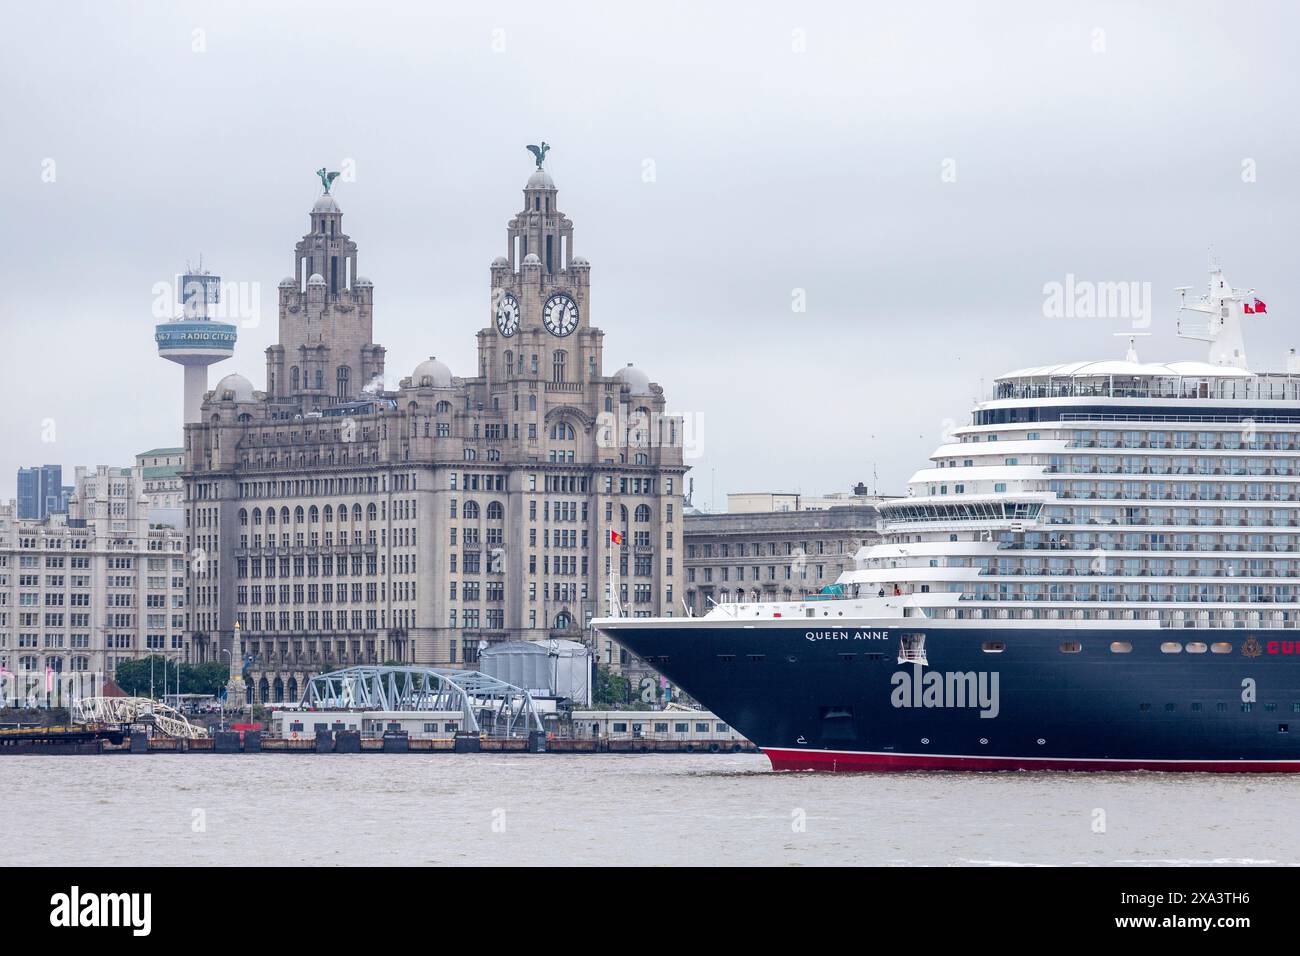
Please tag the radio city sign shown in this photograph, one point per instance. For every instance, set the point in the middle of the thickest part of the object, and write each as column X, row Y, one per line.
column 197, row 334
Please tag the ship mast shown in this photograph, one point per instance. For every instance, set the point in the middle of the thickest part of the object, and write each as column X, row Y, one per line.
column 1216, row 318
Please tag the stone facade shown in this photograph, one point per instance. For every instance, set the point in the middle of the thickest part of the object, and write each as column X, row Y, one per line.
column 340, row 526
column 772, row 555
column 81, row 592
column 160, row 473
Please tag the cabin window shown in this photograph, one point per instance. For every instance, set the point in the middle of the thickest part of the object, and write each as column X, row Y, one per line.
column 1071, row 647
column 1196, row 647
column 1221, row 647
column 1171, row 647
column 1121, row 647
column 993, row 647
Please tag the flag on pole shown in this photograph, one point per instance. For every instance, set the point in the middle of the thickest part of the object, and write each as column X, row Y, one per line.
column 615, row 537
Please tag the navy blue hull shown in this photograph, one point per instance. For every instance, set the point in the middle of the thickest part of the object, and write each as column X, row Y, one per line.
column 838, row 698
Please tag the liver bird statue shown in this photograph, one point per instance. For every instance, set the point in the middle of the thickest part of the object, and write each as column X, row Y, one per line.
column 540, row 152
column 326, row 179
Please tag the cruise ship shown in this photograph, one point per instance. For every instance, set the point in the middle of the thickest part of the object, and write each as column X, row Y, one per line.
column 1098, row 572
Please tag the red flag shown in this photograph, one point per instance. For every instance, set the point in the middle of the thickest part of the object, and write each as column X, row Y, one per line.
column 1249, row 310
column 615, row 537
column 1260, row 307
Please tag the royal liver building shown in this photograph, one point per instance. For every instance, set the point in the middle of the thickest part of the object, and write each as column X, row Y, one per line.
column 333, row 521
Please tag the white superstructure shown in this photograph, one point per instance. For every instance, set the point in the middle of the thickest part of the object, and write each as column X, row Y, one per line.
column 1111, row 491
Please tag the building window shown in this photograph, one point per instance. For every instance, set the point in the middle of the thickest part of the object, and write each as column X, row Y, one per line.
column 344, row 375
column 558, row 361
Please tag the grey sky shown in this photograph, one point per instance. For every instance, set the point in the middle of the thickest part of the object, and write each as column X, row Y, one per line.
column 1113, row 156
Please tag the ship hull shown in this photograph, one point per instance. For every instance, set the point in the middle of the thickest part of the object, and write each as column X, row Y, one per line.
column 836, row 698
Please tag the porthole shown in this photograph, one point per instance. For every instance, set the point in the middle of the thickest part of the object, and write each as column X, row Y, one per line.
column 993, row 647
column 1121, row 647
column 984, row 740
column 1071, row 647
column 1171, row 647
column 1197, row 647
column 925, row 740
column 1221, row 647
column 1041, row 741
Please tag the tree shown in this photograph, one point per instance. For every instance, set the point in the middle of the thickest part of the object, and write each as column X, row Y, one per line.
column 612, row 690
column 134, row 676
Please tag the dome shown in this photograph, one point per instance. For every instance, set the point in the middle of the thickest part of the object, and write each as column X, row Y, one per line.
column 500, row 262
column 326, row 203
column 431, row 374
column 362, row 280
column 532, row 260
column 637, row 381
column 316, row 279
column 581, row 262
column 234, row 388
column 287, row 282
column 540, row 179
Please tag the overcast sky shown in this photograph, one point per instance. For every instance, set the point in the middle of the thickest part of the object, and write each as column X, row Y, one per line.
column 919, row 170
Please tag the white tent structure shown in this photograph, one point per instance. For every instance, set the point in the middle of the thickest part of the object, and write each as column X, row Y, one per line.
column 553, row 668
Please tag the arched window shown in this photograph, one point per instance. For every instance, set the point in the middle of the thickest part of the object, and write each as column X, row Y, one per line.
column 343, row 513
column 563, row 621
column 298, row 515
column 471, row 509
column 558, row 361
column 494, row 511
column 243, row 517
column 642, row 512
column 328, row 514
column 443, row 408
column 284, row 516
column 356, row 514
column 257, row 517
column 270, row 516
column 313, row 515
column 372, row 512
column 344, row 381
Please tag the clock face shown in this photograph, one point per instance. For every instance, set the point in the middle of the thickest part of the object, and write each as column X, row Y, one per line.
column 508, row 315
column 560, row 315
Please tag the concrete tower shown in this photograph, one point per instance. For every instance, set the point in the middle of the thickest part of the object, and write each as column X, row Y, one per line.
column 194, row 339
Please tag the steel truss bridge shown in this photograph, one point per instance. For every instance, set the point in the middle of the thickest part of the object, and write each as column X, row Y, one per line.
column 123, row 711
column 490, row 706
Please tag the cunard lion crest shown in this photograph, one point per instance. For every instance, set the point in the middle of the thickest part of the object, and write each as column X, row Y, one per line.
column 1250, row 648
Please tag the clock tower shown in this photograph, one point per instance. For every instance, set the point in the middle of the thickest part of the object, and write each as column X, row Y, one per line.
column 539, row 313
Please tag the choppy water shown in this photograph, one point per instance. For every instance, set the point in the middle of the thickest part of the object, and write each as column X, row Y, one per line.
column 665, row 809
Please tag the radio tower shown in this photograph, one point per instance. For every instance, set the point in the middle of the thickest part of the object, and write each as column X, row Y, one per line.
column 193, row 339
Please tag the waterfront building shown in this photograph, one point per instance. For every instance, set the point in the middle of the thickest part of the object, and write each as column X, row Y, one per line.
column 160, row 474
column 82, row 591
column 340, row 521
column 779, row 552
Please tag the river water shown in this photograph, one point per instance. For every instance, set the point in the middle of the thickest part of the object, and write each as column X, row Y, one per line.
column 656, row 809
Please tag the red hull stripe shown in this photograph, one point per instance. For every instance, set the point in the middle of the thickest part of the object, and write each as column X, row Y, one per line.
column 847, row 761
